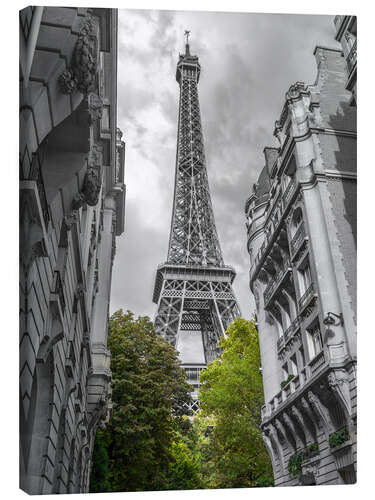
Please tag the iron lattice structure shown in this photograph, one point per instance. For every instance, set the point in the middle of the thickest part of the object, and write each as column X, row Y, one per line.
column 193, row 289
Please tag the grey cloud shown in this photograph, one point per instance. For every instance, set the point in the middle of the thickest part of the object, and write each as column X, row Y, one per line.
column 248, row 63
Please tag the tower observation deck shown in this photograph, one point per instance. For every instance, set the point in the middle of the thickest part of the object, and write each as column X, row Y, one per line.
column 193, row 288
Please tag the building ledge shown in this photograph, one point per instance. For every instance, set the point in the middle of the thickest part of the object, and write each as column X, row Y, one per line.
column 294, row 390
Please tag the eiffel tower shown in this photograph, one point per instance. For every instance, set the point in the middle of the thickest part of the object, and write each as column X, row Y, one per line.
column 193, row 289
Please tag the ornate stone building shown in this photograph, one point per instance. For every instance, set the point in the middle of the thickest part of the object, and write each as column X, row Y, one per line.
column 71, row 210
column 346, row 34
column 301, row 228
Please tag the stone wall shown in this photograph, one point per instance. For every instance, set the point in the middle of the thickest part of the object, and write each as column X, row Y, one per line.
column 71, row 209
column 303, row 266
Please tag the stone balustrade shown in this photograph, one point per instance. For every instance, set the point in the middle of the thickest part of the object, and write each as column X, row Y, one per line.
column 317, row 362
column 276, row 280
column 306, row 297
column 297, row 240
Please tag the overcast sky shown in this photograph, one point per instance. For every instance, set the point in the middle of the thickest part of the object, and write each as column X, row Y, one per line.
column 248, row 62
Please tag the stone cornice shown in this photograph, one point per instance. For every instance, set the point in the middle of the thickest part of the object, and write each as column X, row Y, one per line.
column 295, row 396
column 341, row 174
column 331, row 131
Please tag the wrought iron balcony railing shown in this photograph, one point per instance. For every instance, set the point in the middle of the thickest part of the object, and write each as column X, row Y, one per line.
column 297, row 239
column 274, row 282
column 306, row 297
column 351, row 60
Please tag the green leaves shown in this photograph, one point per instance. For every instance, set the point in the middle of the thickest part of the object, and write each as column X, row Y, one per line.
column 150, row 444
column 285, row 382
column 149, row 391
column 99, row 475
column 338, row 438
column 232, row 394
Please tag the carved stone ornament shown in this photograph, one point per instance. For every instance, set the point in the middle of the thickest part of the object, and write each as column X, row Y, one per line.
column 338, row 381
column 92, row 181
column 278, row 133
column 81, row 75
column 256, row 297
column 310, row 472
column 295, row 90
column 320, row 410
column 95, row 107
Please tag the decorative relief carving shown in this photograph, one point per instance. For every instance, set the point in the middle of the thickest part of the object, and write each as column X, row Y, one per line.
column 69, row 220
column 285, row 434
column 290, row 424
column 79, row 291
column 310, row 471
column 294, row 91
column 92, row 181
column 81, row 75
column 338, row 381
column 278, row 133
column 95, row 107
column 308, row 310
column 307, row 409
column 320, row 410
column 256, row 297
column 299, row 418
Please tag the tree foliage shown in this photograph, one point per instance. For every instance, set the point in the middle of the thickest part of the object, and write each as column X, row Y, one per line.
column 232, row 394
column 149, row 390
column 99, row 475
column 150, row 444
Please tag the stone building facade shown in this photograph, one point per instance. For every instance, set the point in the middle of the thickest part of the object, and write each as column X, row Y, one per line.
column 346, row 34
column 301, row 231
column 72, row 198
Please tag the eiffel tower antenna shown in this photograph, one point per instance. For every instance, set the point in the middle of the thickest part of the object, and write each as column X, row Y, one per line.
column 193, row 289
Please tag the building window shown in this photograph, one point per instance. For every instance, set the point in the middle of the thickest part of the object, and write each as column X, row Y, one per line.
column 302, row 356
column 296, row 221
column 285, row 373
column 304, row 278
column 105, row 118
column 293, row 364
column 284, row 181
column 314, row 341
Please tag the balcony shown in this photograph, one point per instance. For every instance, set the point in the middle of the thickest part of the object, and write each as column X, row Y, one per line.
column 339, row 437
column 292, row 328
column 317, row 362
column 278, row 207
column 297, row 240
column 276, row 281
column 58, row 290
column 288, row 334
column 351, row 60
column 340, row 444
column 288, row 192
column 306, row 297
column 280, row 343
column 35, row 174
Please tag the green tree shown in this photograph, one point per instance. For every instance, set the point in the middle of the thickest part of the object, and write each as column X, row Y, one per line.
column 149, row 391
column 99, row 475
column 184, row 471
column 232, row 394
